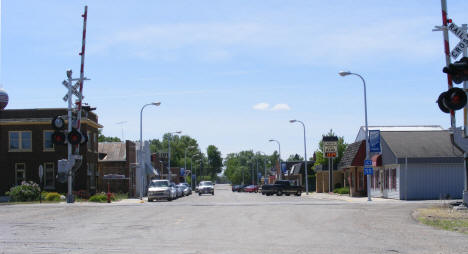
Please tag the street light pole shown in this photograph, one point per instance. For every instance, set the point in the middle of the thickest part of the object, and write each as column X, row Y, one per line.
column 279, row 156
column 140, row 155
column 346, row 73
column 191, row 171
column 264, row 167
column 305, row 156
column 185, row 158
column 169, row 155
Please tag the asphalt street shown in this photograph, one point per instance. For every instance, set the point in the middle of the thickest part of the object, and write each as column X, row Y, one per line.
column 224, row 223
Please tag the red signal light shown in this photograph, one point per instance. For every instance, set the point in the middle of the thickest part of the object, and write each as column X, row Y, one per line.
column 58, row 138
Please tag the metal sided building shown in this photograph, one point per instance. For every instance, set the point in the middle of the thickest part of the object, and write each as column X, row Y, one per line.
column 416, row 165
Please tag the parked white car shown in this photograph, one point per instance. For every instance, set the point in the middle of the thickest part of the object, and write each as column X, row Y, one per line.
column 160, row 189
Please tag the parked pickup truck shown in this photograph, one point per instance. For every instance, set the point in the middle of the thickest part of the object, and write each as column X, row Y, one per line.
column 281, row 187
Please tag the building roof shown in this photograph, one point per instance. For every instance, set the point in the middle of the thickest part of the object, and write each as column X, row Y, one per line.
column 350, row 154
column 361, row 133
column 420, row 144
column 115, row 151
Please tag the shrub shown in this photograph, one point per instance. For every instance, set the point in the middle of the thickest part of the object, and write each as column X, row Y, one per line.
column 52, row 196
column 100, row 197
column 344, row 190
column 27, row 191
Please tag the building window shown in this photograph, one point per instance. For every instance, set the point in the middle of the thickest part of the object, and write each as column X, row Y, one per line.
column 95, row 143
column 92, row 175
column 48, row 144
column 49, row 176
column 89, row 141
column 20, row 173
column 19, row 141
column 393, row 175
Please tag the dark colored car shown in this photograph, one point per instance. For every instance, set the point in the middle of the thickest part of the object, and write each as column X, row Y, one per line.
column 236, row 188
column 251, row 188
column 281, row 187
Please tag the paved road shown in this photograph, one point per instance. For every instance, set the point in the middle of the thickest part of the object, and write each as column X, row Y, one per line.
column 225, row 223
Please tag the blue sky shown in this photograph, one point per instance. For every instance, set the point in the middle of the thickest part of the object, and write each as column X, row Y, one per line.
column 233, row 73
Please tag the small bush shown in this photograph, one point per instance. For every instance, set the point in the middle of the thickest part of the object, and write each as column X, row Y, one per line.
column 100, row 197
column 344, row 190
column 52, row 196
column 27, row 191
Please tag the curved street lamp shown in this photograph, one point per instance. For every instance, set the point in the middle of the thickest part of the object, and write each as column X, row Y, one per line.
column 140, row 157
column 305, row 155
column 346, row 73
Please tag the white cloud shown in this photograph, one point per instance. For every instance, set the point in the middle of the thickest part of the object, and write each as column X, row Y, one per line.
column 280, row 106
column 261, row 106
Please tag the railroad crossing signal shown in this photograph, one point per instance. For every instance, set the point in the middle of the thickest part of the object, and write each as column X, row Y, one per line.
column 453, row 99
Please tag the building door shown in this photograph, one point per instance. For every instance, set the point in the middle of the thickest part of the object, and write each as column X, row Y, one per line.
column 20, row 173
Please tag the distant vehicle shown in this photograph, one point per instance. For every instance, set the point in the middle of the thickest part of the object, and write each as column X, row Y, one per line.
column 160, row 189
column 235, row 187
column 205, row 187
column 251, row 188
column 281, row 187
column 241, row 187
column 186, row 190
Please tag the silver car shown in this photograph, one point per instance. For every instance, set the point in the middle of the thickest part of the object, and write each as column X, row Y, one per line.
column 177, row 190
column 160, row 189
column 206, row 187
column 185, row 188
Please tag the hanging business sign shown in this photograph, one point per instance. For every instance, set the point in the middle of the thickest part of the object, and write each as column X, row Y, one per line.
column 374, row 141
column 330, row 146
column 283, row 167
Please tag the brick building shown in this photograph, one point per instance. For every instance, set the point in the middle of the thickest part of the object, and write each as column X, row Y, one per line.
column 26, row 143
column 117, row 164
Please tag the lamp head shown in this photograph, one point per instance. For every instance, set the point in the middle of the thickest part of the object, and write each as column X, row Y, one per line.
column 271, row 140
column 156, row 103
column 292, row 121
column 178, row 132
column 344, row 73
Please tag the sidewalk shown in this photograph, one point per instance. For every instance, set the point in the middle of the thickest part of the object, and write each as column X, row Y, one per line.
column 334, row 196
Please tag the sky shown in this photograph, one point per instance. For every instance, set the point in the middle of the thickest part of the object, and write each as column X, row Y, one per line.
column 233, row 73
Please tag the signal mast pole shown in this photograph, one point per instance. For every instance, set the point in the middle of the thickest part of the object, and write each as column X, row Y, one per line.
column 71, row 88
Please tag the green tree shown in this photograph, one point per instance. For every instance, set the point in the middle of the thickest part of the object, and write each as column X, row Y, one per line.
column 239, row 166
column 178, row 146
column 295, row 157
column 102, row 138
column 215, row 161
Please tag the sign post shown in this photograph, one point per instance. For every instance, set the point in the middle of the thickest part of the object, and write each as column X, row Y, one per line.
column 330, row 151
column 41, row 175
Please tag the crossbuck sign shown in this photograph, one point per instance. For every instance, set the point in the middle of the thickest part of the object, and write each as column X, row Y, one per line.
column 458, row 31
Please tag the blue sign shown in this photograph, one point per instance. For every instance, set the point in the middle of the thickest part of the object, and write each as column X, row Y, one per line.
column 368, row 171
column 194, row 177
column 374, row 141
column 259, row 175
column 283, row 167
column 182, row 171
